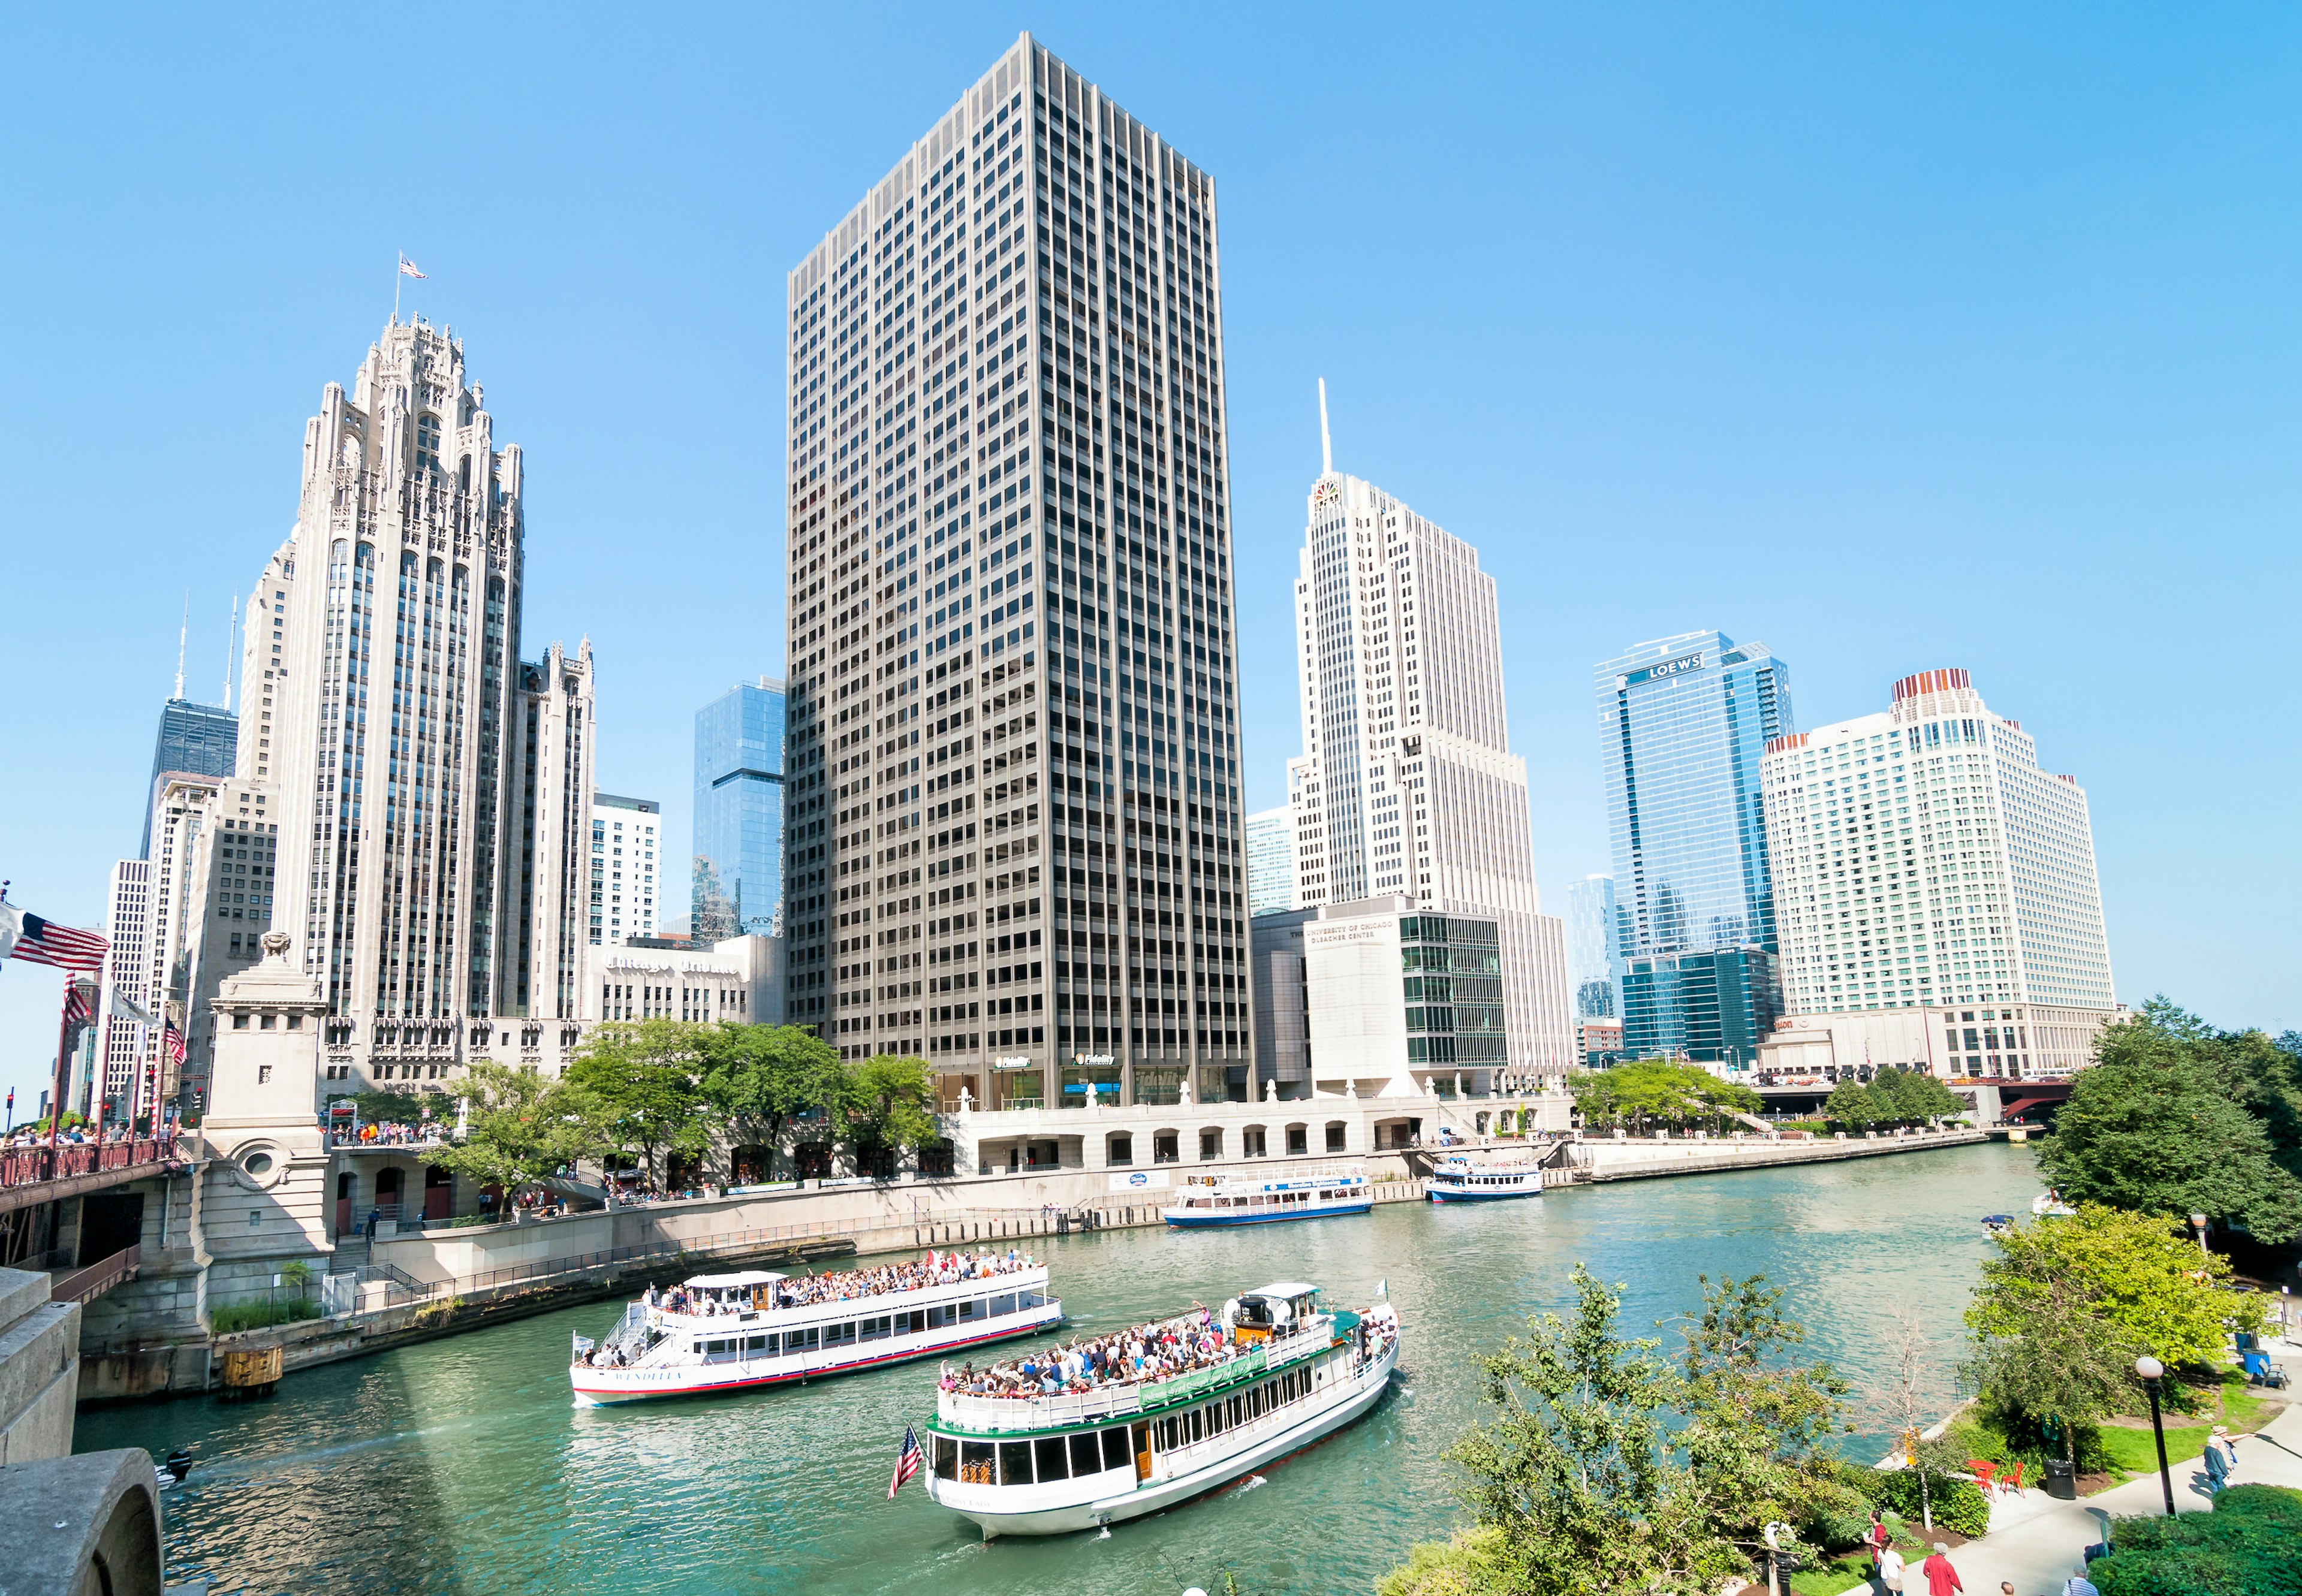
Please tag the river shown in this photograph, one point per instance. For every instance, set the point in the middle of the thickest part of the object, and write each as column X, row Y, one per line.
column 461, row 1466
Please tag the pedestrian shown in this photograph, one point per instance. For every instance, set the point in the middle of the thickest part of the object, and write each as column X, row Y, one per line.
column 373, row 1217
column 1942, row 1577
column 1878, row 1538
column 2078, row 1584
column 1890, row 1570
column 2219, row 1456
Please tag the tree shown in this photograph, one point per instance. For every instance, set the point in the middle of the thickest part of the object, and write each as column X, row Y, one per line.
column 1852, row 1104
column 2050, row 1366
column 1656, row 1091
column 1912, row 1097
column 2175, row 1117
column 2134, row 1272
column 380, row 1107
column 887, row 1104
column 761, row 1076
column 639, row 1088
column 1572, row 1487
column 1755, row 1429
column 1910, row 1401
column 518, row 1128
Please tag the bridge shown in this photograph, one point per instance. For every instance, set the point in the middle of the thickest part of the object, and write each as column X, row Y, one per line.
column 29, row 1176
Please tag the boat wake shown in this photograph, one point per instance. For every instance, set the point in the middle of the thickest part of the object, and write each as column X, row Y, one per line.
column 1251, row 1482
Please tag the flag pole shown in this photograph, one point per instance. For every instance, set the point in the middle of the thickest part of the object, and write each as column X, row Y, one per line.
column 396, row 275
column 63, row 1053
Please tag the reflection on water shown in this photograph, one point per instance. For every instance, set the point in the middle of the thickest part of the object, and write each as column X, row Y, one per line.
column 462, row 1465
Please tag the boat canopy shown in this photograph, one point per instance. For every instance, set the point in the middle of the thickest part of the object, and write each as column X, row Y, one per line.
column 1284, row 1288
column 725, row 1282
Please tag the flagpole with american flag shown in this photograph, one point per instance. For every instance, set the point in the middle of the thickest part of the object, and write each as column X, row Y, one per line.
column 38, row 941
column 907, row 1462
column 407, row 269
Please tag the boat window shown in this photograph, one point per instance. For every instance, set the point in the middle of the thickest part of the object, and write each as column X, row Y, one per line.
column 975, row 1462
column 1198, row 1424
column 1116, row 1453
column 879, row 1328
column 975, row 1307
column 946, row 1456
column 939, row 1315
column 917, row 1320
column 1048, row 1453
column 839, row 1335
column 1231, row 1405
column 1169, row 1435
column 758, row 1344
column 799, row 1340
column 1014, row 1463
column 1032, row 1299
column 1086, row 1453
column 1003, row 1306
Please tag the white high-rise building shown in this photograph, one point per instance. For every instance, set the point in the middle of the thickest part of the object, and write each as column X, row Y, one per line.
column 122, row 1042
column 435, row 789
column 1406, row 784
column 625, row 832
column 1271, row 861
column 1924, row 860
column 1014, row 834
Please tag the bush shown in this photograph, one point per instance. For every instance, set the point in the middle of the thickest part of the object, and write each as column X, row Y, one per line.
column 259, row 1315
column 1837, row 1516
column 2248, row 1546
column 1958, row 1504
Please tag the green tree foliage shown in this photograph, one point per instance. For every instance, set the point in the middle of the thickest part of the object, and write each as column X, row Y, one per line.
column 639, row 1086
column 758, row 1078
column 2176, row 1118
column 888, row 1102
column 2249, row 1545
column 406, row 1108
column 1894, row 1097
column 518, row 1128
column 1645, row 1094
column 1855, row 1105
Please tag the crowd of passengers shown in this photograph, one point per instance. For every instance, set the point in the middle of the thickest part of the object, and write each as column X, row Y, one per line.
column 844, row 1285
column 1196, row 1340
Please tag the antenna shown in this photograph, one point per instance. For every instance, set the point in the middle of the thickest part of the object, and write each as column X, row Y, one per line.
column 183, row 630
column 231, row 629
column 1326, row 448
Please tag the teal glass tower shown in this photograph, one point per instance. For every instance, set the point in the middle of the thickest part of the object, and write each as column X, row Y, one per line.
column 738, row 867
column 1684, row 722
column 194, row 740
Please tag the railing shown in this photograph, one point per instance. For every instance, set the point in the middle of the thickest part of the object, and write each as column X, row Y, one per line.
column 85, row 1285
column 30, row 1166
column 994, row 1415
column 431, row 1136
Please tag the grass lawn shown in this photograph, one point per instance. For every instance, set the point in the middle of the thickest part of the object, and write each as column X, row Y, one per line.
column 1846, row 1569
column 2136, row 1451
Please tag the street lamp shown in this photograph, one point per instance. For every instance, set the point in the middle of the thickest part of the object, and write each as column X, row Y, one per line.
column 2198, row 1223
column 2151, row 1371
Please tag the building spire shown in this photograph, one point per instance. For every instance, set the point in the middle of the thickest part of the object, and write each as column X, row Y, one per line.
column 183, row 630
column 231, row 630
column 1326, row 448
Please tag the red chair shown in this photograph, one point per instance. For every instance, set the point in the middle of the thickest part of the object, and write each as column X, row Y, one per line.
column 2012, row 1483
column 1985, row 1473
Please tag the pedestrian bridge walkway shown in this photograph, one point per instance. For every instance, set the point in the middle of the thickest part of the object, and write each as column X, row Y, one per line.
column 29, row 1176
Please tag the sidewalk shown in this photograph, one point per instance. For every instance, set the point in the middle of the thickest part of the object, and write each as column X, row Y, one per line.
column 2038, row 1542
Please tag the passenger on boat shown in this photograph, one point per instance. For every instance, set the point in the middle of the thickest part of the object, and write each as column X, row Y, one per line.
column 1160, row 1350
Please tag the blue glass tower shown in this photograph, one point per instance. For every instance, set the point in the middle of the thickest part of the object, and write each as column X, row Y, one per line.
column 1590, row 940
column 739, row 814
column 194, row 740
column 1684, row 722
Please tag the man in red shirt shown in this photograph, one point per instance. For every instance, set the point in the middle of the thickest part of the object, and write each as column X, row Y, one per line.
column 1942, row 1579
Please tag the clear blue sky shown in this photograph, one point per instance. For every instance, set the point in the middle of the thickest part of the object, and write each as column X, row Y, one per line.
column 1893, row 337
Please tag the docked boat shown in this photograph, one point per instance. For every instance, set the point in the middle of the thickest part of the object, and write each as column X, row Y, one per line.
column 1456, row 1179
column 724, row 1332
column 1133, row 1423
column 2049, row 1205
column 1262, row 1199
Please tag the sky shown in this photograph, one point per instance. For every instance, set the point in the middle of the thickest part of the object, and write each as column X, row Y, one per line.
column 1893, row 337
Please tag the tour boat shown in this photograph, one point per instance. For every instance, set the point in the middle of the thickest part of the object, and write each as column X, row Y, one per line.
column 1275, row 1373
column 2049, row 1205
column 1457, row 1180
column 725, row 1332
column 1249, row 1200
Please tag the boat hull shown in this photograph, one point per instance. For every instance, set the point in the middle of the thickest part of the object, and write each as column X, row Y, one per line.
column 614, row 1388
column 1464, row 1194
column 1217, row 1219
column 1157, row 1496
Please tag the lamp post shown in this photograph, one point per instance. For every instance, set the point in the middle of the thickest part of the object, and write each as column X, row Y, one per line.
column 2198, row 1223
column 2151, row 1371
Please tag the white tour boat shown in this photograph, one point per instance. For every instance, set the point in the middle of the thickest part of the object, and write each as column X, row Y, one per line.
column 723, row 1333
column 1260, row 1199
column 1276, row 1373
column 1456, row 1179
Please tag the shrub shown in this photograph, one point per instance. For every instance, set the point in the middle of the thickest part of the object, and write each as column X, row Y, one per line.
column 2248, row 1546
column 1836, row 1515
column 1958, row 1504
column 234, row 1316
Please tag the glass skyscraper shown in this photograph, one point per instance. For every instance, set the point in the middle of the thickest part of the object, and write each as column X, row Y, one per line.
column 1271, row 862
column 1591, row 944
column 738, row 886
column 194, row 740
column 1684, row 722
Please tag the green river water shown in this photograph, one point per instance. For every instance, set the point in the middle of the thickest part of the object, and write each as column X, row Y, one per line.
column 461, row 1465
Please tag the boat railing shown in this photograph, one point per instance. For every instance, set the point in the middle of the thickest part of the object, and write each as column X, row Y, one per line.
column 966, row 1410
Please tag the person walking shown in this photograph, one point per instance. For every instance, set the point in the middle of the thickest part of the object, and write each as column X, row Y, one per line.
column 373, row 1217
column 1891, row 1570
column 1942, row 1575
column 1878, row 1538
column 2078, row 1584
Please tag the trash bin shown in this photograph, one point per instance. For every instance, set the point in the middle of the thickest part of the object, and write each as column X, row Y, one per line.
column 2061, row 1480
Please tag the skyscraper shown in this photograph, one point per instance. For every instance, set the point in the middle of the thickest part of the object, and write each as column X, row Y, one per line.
column 1016, row 840
column 737, row 874
column 625, row 832
column 1684, row 722
column 1591, row 943
column 1406, row 784
column 1271, row 861
column 194, row 740
column 1922, row 857
column 435, row 788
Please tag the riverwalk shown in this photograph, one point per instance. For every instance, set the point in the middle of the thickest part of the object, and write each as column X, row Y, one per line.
column 2037, row 1542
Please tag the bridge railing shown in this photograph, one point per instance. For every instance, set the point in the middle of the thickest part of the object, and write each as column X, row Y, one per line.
column 30, row 1166
column 85, row 1285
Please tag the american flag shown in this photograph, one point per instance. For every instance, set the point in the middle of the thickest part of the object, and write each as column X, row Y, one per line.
column 907, row 1462
column 173, row 1040
column 38, row 941
column 79, row 1003
column 407, row 268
